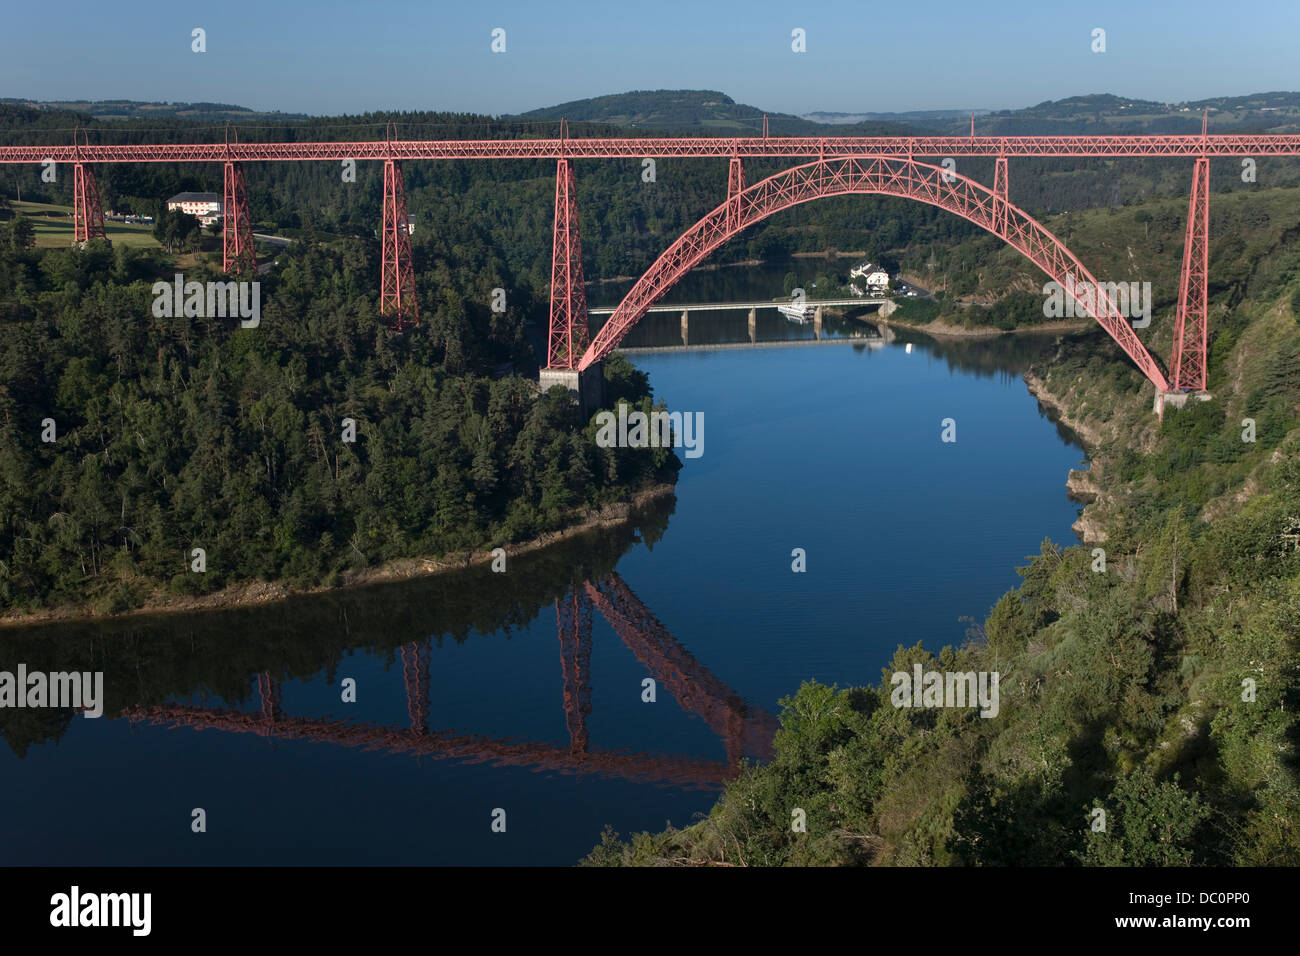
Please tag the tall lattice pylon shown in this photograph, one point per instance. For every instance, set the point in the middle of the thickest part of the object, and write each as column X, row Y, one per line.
column 1189, row 366
column 237, row 256
column 735, row 186
column 569, row 335
column 88, row 214
column 397, row 277
column 1000, row 194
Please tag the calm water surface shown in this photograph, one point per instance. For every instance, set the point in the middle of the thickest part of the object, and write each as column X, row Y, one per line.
column 472, row 696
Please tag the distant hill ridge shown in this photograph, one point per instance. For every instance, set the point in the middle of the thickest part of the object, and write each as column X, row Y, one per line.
column 1277, row 112
column 714, row 112
column 707, row 112
column 135, row 109
column 711, row 112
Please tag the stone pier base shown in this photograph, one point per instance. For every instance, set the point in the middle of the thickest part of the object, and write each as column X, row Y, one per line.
column 1177, row 400
column 586, row 387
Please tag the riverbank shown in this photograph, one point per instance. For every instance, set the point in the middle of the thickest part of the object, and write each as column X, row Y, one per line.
column 1088, row 434
column 399, row 569
column 944, row 330
column 1084, row 487
column 1120, row 668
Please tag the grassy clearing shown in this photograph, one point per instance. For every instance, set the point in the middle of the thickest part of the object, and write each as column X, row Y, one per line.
column 53, row 226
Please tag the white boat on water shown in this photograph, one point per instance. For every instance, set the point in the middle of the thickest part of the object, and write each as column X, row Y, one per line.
column 797, row 313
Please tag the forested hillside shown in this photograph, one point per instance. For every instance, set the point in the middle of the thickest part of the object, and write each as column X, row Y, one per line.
column 1105, row 113
column 698, row 113
column 1159, row 684
column 1253, row 254
column 178, row 433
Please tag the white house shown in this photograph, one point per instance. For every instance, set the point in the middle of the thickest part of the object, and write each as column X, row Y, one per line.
column 206, row 206
column 874, row 276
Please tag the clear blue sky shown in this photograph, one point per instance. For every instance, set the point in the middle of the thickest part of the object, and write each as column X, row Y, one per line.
column 335, row 57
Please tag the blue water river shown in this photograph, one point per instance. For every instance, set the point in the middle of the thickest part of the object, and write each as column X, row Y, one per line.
column 519, row 698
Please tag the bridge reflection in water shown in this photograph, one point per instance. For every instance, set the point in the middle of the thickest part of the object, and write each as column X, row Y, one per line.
column 745, row 730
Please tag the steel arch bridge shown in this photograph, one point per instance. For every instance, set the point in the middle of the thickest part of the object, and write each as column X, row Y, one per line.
column 888, row 176
column 885, row 163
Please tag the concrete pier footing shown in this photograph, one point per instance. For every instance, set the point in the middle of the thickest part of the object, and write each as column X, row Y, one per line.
column 586, row 387
column 1177, row 400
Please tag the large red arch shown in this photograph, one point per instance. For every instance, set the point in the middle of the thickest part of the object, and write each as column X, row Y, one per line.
column 883, row 175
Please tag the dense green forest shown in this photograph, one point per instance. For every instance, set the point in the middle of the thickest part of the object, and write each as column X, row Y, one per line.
column 1162, row 689
column 178, row 433
column 983, row 283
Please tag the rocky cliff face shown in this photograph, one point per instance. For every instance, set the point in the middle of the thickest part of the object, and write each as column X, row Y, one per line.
column 1081, row 485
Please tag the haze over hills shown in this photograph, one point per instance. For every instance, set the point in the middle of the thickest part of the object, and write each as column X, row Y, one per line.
column 1277, row 112
column 715, row 112
column 134, row 109
column 702, row 111
column 712, row 112
column 913, row 116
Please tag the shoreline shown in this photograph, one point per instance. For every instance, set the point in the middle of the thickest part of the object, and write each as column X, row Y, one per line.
column 1088, row 435
column 1082, row 487
column 942, row 330
column 254, row 593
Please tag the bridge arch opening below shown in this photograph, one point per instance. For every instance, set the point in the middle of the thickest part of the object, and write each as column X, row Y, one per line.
column 887, row 176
